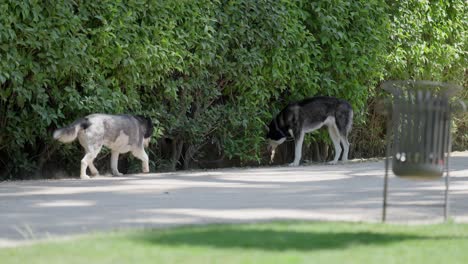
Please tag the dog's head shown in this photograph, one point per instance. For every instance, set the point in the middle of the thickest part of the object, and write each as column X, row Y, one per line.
column 148, row 127
column 275, row 136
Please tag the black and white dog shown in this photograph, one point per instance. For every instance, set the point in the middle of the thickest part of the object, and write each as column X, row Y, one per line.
column 120, row 133
column 308, row 115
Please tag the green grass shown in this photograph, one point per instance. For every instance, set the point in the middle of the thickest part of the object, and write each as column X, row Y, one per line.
column 277, row 242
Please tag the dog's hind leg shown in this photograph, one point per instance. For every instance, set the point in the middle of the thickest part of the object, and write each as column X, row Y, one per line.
column 298, row 149
column 345, row 142
column 344, row 124
column 114, row 163
column 93, row 169
column 335, row 137
column 84, row 166
column 141, row 154
column 88, row 161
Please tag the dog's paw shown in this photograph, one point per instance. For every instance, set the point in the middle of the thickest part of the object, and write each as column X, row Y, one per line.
column 117, row 174
column 332, row 162
column 293, row 164
column 84, row 177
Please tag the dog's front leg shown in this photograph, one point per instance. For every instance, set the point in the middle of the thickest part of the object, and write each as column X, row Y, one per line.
column 141, row 154
column 298, row 149
column 115, row 163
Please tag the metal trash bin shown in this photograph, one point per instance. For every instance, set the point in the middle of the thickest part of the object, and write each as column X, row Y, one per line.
column 418, row 132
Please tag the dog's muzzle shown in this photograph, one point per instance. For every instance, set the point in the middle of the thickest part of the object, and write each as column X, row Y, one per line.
column 271, row 147
column 273, row 144
column 146, row 142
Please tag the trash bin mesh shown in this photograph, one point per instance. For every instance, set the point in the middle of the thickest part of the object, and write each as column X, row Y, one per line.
column 420, row 128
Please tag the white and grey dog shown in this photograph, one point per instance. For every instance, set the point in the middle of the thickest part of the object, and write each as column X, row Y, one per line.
column 299, row 118
column 120, row 133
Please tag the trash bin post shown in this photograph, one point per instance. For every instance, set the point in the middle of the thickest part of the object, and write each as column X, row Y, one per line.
column 418, row 133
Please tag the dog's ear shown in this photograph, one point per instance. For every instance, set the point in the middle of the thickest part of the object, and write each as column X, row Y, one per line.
column 144, row 119
column 148, row 120
column 280, row 121
column 148, row 123
column 149, row 127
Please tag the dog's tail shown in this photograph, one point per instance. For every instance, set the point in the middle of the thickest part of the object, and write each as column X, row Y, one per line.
column 69, row 133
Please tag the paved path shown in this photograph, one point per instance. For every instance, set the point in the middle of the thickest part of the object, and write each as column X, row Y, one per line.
column 351, row 192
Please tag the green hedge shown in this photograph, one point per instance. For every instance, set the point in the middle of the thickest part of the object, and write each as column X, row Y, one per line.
column 209, row 73
column 428, row 41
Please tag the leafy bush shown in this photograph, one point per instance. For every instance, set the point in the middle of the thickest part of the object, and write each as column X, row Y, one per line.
column 209, row 73
column 428, row 40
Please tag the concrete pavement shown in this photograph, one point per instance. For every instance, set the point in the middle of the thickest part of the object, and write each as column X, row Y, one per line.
column 31, row 210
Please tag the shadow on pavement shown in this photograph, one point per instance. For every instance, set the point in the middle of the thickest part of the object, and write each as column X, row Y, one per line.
column 232, row 236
